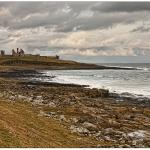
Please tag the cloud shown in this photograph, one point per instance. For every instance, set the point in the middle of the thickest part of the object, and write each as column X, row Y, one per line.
column 76, row 28
column 122, row 7
column 97, row 52
column 141, row 29
column 69, row 16
column 117, row 41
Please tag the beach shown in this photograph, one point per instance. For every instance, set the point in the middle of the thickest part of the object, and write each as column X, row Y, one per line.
column 92, row 113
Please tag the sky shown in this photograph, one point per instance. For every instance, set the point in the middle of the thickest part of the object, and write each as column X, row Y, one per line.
column 98, row 32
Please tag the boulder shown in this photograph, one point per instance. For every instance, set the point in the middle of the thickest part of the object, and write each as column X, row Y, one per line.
column 78, row 129
column 74, row 120
column 90, row 126
column 51, row 104
column 12, row 98
column 62, row 118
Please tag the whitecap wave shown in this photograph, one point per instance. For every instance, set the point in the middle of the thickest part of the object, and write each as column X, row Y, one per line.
column 135, row 82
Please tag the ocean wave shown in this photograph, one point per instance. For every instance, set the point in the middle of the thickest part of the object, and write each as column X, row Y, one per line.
column 135, row 82
column 129, row 67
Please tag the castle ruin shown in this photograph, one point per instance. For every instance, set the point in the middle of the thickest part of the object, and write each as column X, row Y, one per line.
column 2, row 52
column 18, row 53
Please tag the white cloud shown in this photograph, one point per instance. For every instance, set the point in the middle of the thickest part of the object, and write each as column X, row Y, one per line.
column 4, row 12
column 94, row 52
column 116, row 41
column 86, row 14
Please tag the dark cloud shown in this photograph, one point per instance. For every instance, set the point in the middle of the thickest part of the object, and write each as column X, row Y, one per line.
column 122, row 6
column 141, row 51
column 69, row 16
column 141, row 29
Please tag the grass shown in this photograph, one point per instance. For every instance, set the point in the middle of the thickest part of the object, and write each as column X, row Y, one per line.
column 20, row 126
column 32, row 60
column 40, row 62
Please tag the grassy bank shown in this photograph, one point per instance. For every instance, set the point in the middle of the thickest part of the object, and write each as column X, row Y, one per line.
column 46, row 62
column 21, row 126
column 42, row 62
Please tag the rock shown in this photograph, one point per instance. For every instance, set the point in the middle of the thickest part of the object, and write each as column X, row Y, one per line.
column 41, row 113
column 113, row 123
column 75, row 120
column 99, row 146
column 124, row 146
column 134, row 142
column 79, row 130
column 107, row 138
column 21, row 97
column 51, row 104
column 12, row 98
column 108, row 130
column 50, row 114
column 90, row 126
column 24, row 98
column 62, row 118
column 1, row 95
column 85, row 111
column 29, row 99
column 139, row 134
column 129, row 117
column 45, row 102
column 98, row 134
column 39, row 98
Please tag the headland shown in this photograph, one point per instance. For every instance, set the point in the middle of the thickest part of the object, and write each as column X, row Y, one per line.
column 19, row 59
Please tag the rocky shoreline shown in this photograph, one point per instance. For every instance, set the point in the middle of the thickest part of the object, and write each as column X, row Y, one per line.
column 87, row 112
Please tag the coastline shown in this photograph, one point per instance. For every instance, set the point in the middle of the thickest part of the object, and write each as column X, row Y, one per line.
column 25, row 78
column 83, row 111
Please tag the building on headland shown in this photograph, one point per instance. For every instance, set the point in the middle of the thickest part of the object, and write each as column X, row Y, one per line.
column 20, row 53
column 2, row 53
column 57, row 57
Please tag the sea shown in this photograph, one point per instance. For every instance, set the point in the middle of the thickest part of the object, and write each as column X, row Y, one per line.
column 134, row 82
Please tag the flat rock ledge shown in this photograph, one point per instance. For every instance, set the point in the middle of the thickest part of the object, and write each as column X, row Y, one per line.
column 87, row 112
